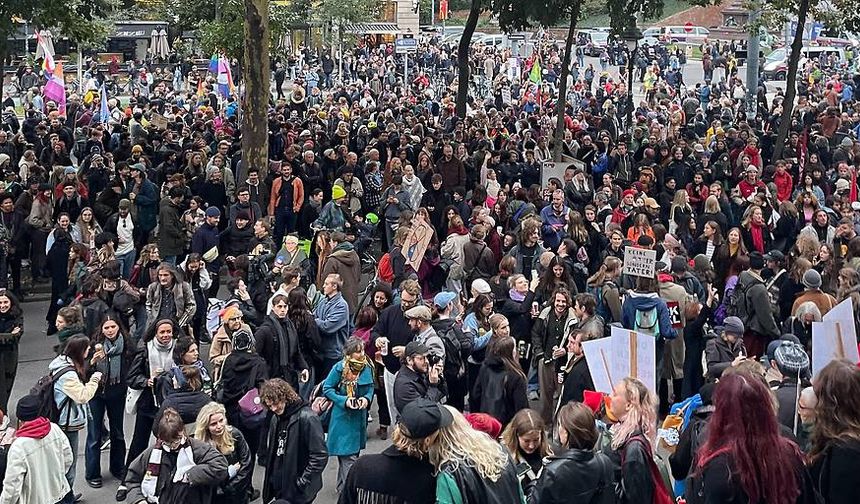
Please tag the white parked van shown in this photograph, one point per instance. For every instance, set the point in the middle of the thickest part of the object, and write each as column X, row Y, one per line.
column 776, row 64
column 678, row 34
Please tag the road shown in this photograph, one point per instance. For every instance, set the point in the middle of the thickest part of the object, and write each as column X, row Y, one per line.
column 36, row 352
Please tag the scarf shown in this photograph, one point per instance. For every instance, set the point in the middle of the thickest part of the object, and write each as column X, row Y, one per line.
column 516, row 296
column 113, row 363
column 37, row 428
column 283, row 343
column 757, row 236
column 160, row 356
column 414, row 189
column 184, row 463
column 352, row 369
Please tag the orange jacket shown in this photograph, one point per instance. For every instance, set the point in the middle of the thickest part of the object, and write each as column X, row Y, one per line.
column 275, row 194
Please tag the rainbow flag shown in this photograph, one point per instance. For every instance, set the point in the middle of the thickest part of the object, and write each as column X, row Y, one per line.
column 55, row 88
column 213, row 64
column 225, row 78
column 48, row 64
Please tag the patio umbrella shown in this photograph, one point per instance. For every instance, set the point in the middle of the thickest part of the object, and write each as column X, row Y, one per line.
column 48, row 39
column 163, row 44
column 153, row 43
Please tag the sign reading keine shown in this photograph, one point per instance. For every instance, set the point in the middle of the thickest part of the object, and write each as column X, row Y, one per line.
column 639, row 262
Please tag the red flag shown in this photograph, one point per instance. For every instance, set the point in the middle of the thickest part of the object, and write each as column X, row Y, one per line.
column 443, row 9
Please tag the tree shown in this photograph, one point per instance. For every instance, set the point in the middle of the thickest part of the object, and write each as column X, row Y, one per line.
column 522, row 14
column 475, row 9
column 76, row 19
column 227, row 34
column 255, row 104
column 837, row 15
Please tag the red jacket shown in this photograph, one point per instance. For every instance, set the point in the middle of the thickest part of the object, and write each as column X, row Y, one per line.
column 784, row 184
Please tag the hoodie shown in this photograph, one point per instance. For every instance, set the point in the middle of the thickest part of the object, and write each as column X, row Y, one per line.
column 642, row 302
column 37, row 428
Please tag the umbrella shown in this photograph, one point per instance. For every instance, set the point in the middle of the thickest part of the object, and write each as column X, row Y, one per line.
column 153, row 43
column 48, row 39
column 163, row 45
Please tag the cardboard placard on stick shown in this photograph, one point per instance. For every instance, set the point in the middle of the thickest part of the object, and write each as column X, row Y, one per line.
column 832, row 340
column 159, row 121
column 639, row 262
column 598, row 355
column 417, row 242
column 635, row 356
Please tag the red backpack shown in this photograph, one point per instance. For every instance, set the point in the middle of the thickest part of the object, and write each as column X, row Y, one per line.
column 385, row 270
column 661, row 494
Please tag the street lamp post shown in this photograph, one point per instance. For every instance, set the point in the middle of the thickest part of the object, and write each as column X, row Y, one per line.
column 631, row 37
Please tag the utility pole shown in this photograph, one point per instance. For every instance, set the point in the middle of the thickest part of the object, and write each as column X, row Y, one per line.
column 752, row 60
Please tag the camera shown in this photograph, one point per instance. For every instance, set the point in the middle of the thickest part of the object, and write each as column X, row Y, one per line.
column 433, row 359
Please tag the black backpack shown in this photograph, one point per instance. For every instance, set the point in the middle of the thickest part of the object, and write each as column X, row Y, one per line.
column 457, row 348
column 44, row 390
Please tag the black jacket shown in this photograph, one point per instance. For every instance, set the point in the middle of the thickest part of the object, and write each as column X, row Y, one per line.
column 632, row 470
column 410, row 385
column 390, row 477
column 835, row 473
column 719, row 355
column 241, row 372
column 235, row 490
column 269, row 347
column 210, row 469
column 187, row 403
column 476, row 490
column 498, row 392
column 577, row 379
column 575, row 476
column 298, row 456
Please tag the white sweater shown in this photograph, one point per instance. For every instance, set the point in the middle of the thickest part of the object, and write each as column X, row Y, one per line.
column 36, row 469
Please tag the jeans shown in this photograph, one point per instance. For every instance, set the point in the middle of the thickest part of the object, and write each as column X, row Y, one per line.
column 285, row 223
column 533, row 384
column 126, row 262
column 306, row 388
column 344, row 464
column 72, row 436
column 171, row 260
column 114, row 406
column 388, row 380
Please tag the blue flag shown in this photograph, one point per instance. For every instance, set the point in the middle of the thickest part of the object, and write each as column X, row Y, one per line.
column 104, row 112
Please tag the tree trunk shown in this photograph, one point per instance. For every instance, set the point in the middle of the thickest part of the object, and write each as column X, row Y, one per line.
column 3, row 48
column 255, row 103
column 791, row 80
column 463, row 58
column 561, row 102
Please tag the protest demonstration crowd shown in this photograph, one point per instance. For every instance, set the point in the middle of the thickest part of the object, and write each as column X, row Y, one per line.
column 670, row 314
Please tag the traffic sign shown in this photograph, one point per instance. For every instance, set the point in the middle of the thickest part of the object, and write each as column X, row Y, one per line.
column 405, row 45
column 688, row 27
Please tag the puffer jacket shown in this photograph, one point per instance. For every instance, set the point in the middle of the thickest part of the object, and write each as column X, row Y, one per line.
column 575, row 476
column 71, row 394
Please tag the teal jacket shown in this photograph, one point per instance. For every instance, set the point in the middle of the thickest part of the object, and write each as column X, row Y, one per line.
column 347, row 429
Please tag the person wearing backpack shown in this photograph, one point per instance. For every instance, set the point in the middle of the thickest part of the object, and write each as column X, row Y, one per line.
column 644, row 311
column 631, row 449
column 683, row 460
column 602, row 285
column 753, row 308
column 71, row 394
column 458, row 346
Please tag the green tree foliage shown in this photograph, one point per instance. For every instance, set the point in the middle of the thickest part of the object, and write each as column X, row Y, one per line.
column 227, row 34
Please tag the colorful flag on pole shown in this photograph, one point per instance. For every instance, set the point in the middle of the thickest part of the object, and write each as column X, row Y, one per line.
column 536, row 75
column 225, row 77
column 55, row 88
column 443, row 10
column 48, row 64
column 213, row 64
column 104, row 111
column 200, row 88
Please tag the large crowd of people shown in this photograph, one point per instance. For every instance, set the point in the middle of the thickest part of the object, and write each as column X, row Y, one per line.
column 397, row 270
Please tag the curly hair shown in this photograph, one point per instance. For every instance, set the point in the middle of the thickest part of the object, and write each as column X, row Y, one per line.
column 277, row 390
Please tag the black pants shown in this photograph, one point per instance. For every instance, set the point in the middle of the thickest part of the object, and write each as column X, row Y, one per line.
column 10, row 262
column 381, row 397
column 111, row 404
column 140, row 438
column 8, row 371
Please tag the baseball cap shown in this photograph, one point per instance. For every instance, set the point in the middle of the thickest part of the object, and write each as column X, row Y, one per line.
column 423, row 417
column 416, row 348
column 443, row 299
column 774, row 255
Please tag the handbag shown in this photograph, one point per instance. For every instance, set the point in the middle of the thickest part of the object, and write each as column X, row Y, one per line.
column 131, row 398
column 251, row 411
column 211, row 254
column 321, row 405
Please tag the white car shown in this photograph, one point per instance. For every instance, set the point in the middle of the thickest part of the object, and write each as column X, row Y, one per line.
column 676, row 34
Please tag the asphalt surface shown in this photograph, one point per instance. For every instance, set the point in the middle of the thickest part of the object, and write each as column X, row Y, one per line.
column 36, row 351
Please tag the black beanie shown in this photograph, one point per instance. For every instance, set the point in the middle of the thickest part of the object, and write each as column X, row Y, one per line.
column 28, row 408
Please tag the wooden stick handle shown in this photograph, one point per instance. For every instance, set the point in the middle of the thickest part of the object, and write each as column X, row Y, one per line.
column 634, row 358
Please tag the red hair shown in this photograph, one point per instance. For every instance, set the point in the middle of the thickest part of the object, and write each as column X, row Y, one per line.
column 744, row 428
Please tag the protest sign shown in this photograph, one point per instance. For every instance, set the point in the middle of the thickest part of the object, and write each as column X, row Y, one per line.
column 834, row 337
column 417, row 242
column 635, row 356
column 598, row 355
column 159, row 121
column 639, row 262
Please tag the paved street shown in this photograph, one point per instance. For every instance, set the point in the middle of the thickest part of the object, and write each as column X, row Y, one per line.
column 37, row 351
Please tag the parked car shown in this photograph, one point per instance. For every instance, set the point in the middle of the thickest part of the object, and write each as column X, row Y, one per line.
column 776, row 64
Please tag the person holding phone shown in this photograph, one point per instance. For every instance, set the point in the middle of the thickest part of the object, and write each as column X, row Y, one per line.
column 725, row 350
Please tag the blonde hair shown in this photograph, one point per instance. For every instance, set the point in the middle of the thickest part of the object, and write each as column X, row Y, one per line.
column 459, row 443
column 642, row 415
column 225, row 444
